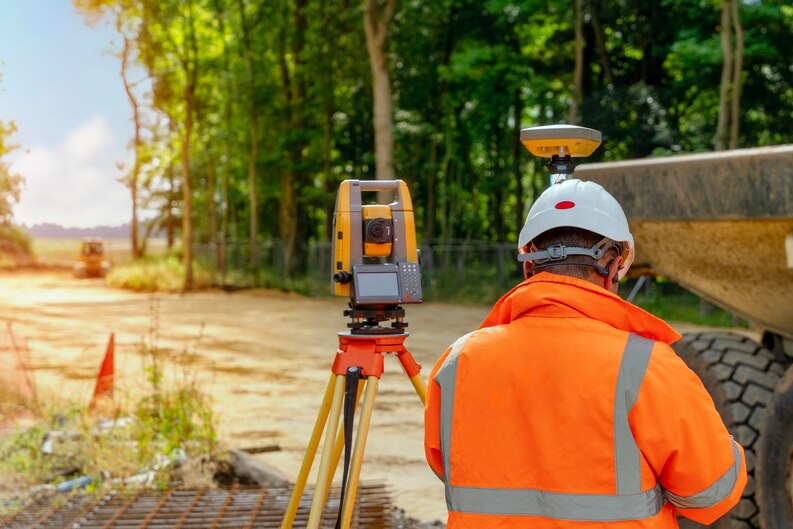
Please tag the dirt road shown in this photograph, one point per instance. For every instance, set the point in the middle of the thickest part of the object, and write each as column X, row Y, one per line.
column 263, row 356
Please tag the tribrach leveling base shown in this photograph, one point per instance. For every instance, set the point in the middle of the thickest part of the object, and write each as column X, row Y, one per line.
column 356, row 352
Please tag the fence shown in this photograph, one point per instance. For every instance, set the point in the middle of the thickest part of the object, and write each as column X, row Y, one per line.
column 471, row 271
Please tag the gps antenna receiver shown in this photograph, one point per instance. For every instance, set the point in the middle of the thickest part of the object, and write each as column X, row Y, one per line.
column 560, row 143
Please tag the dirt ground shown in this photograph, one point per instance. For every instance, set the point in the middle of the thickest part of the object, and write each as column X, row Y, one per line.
column 263, row 356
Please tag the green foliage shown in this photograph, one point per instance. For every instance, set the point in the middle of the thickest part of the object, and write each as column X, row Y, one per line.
column 10, row 182
column 671, row 302
column 167, row 416
column 15, row 247
column 15, row 241
column 287, row 84
column 185, row 421
column 155, row 274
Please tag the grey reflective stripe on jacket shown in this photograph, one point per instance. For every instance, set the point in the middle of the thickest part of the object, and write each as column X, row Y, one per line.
column 627, row 458
column 446, row 377
column 629, row 502
column 716, row 492
column 578, row 507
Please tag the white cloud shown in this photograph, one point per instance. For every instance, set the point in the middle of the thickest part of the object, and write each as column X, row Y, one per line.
column 74, row 184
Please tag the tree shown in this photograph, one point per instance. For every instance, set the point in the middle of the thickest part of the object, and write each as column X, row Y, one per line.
column 578, row 73
column 737, row 70
column 434, row 92
column 254, row 135
column 375, row 21
column 170, row 51
column 124, row 16
column 135, row 172
column 732, row 68
column 10, row 181
column 722, row 128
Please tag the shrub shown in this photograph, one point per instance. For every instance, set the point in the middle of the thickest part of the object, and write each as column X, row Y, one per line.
column 156, row 275
column 15, row 246
column 163, row 419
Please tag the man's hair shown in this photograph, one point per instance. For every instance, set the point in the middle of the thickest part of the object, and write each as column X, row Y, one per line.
column 574, row 237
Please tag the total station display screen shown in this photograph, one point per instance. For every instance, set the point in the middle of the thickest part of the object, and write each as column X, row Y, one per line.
column 377, row 285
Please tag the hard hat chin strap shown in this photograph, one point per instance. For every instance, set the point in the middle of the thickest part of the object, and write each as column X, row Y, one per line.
column 559, row 252
column 555, row 254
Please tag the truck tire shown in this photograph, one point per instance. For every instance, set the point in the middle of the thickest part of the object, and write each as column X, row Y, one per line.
column 740, row 376
column 775, row 457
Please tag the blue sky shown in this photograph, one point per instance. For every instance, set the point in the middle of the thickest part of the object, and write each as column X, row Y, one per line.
column 61, row 86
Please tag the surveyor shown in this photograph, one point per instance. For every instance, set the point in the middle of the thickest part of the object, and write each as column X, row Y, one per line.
column 568, row 406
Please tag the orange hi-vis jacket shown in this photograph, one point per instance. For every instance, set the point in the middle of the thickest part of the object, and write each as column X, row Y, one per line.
column 568, row 409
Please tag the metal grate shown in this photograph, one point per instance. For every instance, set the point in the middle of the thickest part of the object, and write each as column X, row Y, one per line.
column 237, row 507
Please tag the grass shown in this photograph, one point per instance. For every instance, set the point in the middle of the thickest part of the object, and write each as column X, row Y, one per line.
column 62, row 252
column 672, row 302
column 173, row 421
column 15, row 247
column 156, row 274
column 660, row 297
column 162, row 420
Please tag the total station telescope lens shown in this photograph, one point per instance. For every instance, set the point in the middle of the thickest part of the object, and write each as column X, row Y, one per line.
column 378, row 231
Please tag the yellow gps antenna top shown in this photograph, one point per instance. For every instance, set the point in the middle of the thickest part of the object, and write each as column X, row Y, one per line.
column 560, row 143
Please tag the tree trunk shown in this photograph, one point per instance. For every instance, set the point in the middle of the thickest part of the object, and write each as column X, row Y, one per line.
column 224, row 186
column 187, row 192
column 293, row 215
column 300, row 102
column 329, row 107
column 144, row 241
column 735, row 112
column 170, row 225
column 432, row 184
column 327, row 148
column 254, row 137
column 287, row 220
column 600, row 41
column 190, row 67
column 726, row 76
column 578, row 73
column 376, row 27
column 437, row 136
column 213, row 209
column 517, row 150
column 133, row 177
column 224, row 219
column 429, row 213
column 445, row 184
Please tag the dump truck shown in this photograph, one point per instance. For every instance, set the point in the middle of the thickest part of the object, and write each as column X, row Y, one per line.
column 91, row 260
column 721, row 225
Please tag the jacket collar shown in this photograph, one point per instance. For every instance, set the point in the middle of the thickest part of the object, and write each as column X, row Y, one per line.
column 553, row 295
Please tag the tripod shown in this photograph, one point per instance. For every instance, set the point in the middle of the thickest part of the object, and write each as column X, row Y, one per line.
column 360, row 352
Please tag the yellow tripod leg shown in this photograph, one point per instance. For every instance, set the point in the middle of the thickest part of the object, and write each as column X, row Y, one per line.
column 317, row 503
column 308, row 459
column 338, row 448
column 357, row 451
column 420, row 387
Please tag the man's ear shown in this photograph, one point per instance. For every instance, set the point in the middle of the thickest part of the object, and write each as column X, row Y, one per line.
column 614, row 268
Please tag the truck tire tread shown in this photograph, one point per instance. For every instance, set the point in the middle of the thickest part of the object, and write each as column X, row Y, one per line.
column 740, row 376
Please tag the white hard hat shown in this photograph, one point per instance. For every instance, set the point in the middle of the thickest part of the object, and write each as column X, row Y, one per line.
column 578, row 204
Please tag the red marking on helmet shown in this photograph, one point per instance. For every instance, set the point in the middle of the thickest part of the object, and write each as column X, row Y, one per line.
column 565, row 204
